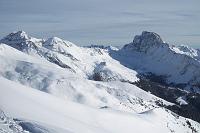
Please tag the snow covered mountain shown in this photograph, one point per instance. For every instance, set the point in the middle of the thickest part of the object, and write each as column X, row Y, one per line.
column 52, row 85
column 149, row 53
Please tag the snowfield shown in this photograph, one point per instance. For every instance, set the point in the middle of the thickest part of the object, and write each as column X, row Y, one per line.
column 52, row 85
column 63, row 83
column 57, row 115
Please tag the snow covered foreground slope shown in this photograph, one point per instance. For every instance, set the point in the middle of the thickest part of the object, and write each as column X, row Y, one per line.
column 89, row 76
column 46, row 113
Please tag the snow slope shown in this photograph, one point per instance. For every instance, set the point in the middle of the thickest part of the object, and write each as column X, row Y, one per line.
column 56, row 115
column 63, row 83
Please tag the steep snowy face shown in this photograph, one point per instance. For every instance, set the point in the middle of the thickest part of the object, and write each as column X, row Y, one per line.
column 186, row 50
column 56, row 44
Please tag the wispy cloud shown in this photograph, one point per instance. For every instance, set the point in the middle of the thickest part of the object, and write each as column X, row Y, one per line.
column 113, row 21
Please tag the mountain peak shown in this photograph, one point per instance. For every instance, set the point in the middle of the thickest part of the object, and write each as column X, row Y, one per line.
column 20, row 40
column 149, row 36
column 15, row 37
column 145, row 41
column 22, row 34
column 19, row 35
column 55, row 43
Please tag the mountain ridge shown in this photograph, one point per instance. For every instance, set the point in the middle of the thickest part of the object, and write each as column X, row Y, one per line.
column 103, row 77
column 149, row 52
column 179, row 62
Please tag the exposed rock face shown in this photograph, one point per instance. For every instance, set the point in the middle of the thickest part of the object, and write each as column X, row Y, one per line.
column 102, row 73
column 8, row 125
column 145, row 41
column 15, row 37
column 21, row 41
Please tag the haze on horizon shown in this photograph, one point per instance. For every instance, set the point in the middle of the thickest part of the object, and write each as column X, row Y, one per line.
column 103, row 22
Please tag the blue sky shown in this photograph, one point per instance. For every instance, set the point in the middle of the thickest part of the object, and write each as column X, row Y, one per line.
column 104, row 22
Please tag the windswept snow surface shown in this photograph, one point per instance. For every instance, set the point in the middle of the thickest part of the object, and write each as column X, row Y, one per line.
column 57, row 115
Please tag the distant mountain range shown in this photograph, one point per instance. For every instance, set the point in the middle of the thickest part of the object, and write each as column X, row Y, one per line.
column 52, row 85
